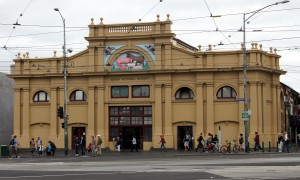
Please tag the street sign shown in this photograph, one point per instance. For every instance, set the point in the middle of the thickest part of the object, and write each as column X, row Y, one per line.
column 241, row 99
column 245, row 116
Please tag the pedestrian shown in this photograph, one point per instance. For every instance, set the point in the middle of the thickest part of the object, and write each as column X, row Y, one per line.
column 200, row 145
column 241, row 141
column 53, row 148
column 134, row 145
column 39, row 144
column 118, row 144
column 280, row 141
column 256, row 141
column 48, row 149
column 162, row 143
column 93, row 146
column 15, row 146
column 82, row 145
column 76, row 144
column 286, row 142
column 32, row 146
column 99, row 142
column 186, row 141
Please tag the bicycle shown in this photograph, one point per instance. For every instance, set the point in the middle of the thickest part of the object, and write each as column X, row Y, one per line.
column 230, row 146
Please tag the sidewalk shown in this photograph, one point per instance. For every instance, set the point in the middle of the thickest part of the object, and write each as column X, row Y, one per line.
column 25, row 153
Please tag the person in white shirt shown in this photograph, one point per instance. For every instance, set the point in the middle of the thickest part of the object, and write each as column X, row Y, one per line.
column 134, row 145
column 286, row 142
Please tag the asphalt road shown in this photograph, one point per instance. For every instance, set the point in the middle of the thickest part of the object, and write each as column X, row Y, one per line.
column 154, row 165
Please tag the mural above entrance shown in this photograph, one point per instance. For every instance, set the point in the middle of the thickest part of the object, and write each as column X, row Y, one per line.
column 149, row 48
column 130, row 61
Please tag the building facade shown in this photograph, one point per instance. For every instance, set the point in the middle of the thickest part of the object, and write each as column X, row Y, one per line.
column 6, row 108
column 139, row 80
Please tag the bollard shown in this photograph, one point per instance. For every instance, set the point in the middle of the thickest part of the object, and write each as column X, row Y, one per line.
column 269, row 146
column 263, row 146
column 277, row 146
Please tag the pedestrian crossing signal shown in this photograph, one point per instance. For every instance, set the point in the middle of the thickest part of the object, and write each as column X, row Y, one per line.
column 60, row 112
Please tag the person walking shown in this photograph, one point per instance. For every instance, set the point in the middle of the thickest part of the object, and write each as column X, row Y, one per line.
column 241, row 142
column 134, row 145
column 162, row 143
column 15, row 146
column 118, row 144
column 32, row 146
column 93, row 146
column 186, row 141
column 53, row 148
column 39, row 144
column 256, row 141
column 286, row 142
column 200, row 145
column 76, row 143
column 280, row 141
column 99, row 142
column 82, row 145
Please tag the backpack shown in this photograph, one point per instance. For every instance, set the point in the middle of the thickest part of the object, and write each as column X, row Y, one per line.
column 12, row 142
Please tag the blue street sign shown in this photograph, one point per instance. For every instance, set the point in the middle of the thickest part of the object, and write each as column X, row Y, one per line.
column 241, row 99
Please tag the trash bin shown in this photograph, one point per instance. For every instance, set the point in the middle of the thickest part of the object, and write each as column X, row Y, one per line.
column 4, row 151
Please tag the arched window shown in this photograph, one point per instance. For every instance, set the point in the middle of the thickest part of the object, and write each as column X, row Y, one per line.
column 78, row 95
column 41, row 96
column 226, row 92
column 184, row 93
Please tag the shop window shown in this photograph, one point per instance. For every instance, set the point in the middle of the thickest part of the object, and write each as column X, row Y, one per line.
column 226, row 92
column 119, row 91
column 147, row 132
column 78, row 95
column 140, row 91
column 41, row 96
column 184, row 93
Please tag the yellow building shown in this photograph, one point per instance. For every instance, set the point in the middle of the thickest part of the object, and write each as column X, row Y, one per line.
column 138, row 79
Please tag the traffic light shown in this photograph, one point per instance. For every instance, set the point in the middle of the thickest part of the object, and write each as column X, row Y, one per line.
column 60, row 112
column 63, row 125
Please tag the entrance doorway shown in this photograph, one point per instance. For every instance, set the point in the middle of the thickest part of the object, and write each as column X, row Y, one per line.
column 128, row 133
column 77, row 132
column 181, row 132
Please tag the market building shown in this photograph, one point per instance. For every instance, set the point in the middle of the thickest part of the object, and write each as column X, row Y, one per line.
column 138, row 80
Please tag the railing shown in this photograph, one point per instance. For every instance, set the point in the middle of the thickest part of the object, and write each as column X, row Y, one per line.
column 122, row 29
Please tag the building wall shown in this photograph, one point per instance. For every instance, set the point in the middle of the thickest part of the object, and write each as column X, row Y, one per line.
column 6, row 108
column 173, row 65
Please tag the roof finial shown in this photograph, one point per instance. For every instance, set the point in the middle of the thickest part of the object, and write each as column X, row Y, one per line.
column 168, row 17
column 92, row 21
column 271, row 50
column 199, row 47
column 54, row 54
column 209, row 47
column 158, row 17
column 101, row 20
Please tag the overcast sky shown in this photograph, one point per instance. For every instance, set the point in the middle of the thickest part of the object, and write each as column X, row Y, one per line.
column 40, row 31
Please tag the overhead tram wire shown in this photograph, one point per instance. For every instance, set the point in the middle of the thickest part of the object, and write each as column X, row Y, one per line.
column 150, row 10
column 217, row 28
column 17, row 23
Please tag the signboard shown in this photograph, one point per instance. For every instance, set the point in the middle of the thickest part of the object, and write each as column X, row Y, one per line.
column 245, row 116
column 241, row 99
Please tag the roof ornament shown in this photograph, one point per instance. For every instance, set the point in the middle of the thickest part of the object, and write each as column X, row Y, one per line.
column 158, row 17
column 199, row 47
column 101, row 20
column 92, row 21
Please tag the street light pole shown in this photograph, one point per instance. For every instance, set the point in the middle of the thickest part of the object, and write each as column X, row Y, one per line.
column 65, row 87
column 245, row 67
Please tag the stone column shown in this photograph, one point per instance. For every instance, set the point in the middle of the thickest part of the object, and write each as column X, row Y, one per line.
column 157, row 122
column 199, row 110
column 17, row 111
column 210, row 108
column 91, row 113
column 54, row 120
column 25, row 124
column 101, row 113
column 168, row 115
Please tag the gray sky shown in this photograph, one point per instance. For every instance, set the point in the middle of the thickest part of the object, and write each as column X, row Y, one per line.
column 41, row 32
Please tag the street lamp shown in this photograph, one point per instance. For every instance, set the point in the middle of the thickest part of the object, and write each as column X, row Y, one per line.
column 65, row 86
column 252, row 13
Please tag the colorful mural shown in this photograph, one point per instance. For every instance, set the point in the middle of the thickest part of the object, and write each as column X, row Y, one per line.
column 150, row 49
column 130, row 61
column 109, row 50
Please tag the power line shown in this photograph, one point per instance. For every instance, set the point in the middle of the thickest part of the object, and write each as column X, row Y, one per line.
column 150, row 10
